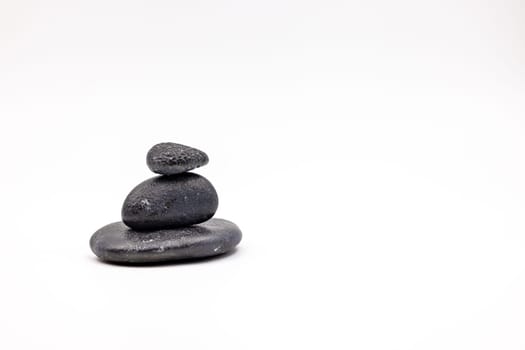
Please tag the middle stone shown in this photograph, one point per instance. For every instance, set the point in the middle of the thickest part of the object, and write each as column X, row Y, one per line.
column 170, row 201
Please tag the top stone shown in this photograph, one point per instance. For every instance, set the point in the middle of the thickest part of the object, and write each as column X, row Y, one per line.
column 170, row 158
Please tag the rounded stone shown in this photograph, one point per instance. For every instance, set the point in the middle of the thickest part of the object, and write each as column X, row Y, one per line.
column 170, row 201
column 118, row 243
column 170, row 158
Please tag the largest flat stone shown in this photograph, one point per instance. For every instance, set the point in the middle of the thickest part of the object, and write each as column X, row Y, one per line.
column 118, row 243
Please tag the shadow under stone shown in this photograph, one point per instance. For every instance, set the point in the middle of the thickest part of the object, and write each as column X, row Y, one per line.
column 190, row 261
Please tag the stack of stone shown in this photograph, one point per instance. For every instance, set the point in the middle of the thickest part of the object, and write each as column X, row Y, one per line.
column 168, row 217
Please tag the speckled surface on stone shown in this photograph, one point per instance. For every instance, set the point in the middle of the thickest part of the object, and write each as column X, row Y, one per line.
column 170, row 201
column 172, row 158
column 118, row 243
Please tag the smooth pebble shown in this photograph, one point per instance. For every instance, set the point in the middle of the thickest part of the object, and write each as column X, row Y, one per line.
column 118, row 243
column 170, row 201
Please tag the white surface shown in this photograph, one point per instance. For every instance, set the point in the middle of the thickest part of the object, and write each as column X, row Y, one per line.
column 372, row 152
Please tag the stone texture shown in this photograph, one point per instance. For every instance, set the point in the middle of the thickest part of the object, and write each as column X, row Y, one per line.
column 170, row 201
column 172, row 158
column 120, row 244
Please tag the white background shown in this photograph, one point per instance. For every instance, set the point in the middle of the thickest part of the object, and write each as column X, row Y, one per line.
column 372, row 152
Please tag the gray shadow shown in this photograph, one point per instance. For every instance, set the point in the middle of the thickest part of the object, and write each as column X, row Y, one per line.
column 192, row 261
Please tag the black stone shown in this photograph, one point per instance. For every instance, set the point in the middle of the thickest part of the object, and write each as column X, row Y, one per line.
column 170, row 201
column 118, row 243
column 172, row 158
